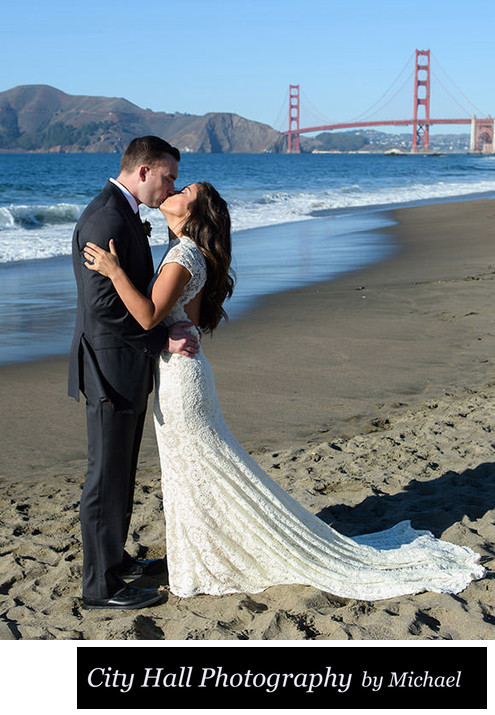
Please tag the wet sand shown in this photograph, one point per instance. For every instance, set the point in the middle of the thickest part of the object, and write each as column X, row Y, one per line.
column 369, row 398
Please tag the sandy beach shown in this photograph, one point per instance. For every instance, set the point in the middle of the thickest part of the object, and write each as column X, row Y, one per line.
column 369, row 398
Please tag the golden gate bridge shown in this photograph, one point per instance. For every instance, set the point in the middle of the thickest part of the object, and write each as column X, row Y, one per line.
column 482, row 128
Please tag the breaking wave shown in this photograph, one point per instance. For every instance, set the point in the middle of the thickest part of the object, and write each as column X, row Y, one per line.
column 45, row 231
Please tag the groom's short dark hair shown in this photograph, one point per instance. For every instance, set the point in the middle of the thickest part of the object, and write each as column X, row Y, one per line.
column 147, row 150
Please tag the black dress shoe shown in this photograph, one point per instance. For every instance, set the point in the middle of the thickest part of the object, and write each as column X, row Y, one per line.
column 127, row 597
column 136, row 568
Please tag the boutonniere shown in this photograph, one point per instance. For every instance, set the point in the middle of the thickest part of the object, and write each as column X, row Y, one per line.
column 147, row 228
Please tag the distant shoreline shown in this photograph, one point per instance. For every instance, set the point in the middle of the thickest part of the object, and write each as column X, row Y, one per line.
column 373, row 152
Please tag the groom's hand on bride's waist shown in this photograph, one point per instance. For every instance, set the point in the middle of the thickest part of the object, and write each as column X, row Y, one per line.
column 181, row 341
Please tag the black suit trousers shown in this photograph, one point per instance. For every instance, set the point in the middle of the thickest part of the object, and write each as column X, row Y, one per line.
column 114, row 439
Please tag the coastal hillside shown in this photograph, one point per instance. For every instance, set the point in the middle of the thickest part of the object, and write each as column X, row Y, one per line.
column 42, row 118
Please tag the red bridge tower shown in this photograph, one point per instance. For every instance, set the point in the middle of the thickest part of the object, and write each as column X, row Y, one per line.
column 293, row 134
column 421, row 124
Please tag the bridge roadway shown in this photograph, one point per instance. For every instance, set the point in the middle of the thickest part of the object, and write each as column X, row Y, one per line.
column 387, row 123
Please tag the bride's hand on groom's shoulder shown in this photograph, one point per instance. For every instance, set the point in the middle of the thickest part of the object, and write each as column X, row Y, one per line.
column 97, row 259
column 180, row 341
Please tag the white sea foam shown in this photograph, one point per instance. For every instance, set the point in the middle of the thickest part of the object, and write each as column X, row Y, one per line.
column 25, row 216
column 280, row 207
column 33, row 232
column 6, row 218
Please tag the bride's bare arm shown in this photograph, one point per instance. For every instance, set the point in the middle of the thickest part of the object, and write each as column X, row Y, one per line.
column 147, row 311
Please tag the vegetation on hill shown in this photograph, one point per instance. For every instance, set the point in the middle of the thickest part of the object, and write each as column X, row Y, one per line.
column 42, row 118
column 339, row 141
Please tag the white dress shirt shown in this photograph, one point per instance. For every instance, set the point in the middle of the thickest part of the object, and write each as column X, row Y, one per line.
column 130, row 198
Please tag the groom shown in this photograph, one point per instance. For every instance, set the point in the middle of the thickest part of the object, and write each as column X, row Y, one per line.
column 111, row 363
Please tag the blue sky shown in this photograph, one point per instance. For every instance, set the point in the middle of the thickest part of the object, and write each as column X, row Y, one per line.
column 199, row 56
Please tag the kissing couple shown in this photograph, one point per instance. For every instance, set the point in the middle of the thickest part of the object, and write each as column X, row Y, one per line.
column 229, row 527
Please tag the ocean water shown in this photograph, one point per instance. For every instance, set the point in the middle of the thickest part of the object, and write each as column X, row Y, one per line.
column 296, row 219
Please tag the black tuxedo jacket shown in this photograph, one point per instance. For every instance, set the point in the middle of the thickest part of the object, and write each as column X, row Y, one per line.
column 111, row 355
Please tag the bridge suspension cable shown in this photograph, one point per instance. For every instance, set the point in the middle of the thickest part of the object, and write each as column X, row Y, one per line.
column 389, row 89
column 385, row 104
column 464, row 109
column 314, row 110
column 281, row 119
column 478, row 110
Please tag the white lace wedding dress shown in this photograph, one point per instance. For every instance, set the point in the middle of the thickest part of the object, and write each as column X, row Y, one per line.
column 231, row 528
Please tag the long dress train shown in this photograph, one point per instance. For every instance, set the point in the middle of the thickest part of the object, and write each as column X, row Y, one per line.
column 230, row 528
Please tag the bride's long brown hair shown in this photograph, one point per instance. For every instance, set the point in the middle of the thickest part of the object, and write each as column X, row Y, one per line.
column 208, row 225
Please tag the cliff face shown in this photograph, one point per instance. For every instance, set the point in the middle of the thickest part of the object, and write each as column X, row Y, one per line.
column 42, row 118
column 223, row 133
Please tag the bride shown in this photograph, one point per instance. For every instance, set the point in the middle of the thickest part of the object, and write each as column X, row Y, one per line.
column 229, row 527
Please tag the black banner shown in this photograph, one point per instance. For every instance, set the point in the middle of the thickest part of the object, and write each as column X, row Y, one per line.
column 287, row 677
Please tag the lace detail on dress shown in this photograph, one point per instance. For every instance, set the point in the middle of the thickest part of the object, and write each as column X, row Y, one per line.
column 185, row 252
column 231, row 528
